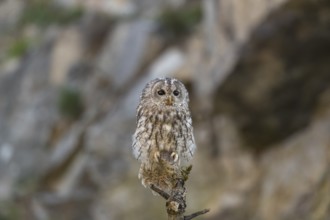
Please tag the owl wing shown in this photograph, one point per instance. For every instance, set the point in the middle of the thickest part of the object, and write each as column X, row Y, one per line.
column 190, row 146
column 190, row 149
column 138, row 150
column 136, row 147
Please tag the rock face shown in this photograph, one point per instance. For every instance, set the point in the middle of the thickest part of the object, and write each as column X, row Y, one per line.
column 27, row 114
column 276, row 67
column 9, row 11
column 295, row 174
column 258, row 75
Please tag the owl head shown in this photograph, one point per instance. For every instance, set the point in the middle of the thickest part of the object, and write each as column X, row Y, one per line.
column 166, row 92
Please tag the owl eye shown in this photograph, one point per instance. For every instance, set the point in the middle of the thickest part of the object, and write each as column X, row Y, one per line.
column 176, row 92
column 161, row 92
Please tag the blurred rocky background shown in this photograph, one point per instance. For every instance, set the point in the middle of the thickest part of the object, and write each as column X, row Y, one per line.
column 71, row 72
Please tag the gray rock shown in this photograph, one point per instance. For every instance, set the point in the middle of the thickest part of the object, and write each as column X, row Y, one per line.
column 68, row 50
column 292, row 175
column 10, row 12
column 112, row 7
column 27, row 116
column 124, row 50
column 227, row 27
column 277, row 75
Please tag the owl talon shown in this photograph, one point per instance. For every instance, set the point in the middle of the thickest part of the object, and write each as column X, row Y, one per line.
column 157, row 156
column 174, row 156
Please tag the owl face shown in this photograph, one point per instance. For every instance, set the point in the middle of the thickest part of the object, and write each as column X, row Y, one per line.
column 166, row 92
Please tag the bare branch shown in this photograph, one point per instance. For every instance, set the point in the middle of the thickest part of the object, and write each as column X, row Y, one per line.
column 167, row 179
column 163, row 194
column 176, row 199
column 194, row 215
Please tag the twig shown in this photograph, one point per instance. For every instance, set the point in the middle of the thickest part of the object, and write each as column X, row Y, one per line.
column 163, row 194
column 194, row 215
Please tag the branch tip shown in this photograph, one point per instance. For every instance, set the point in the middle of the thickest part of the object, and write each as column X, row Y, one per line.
column 196, row 214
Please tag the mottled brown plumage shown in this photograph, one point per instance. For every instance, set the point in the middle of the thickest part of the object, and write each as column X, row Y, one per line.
column 163, row 139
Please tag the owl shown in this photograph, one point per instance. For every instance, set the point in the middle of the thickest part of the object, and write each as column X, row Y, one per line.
column 163, row 139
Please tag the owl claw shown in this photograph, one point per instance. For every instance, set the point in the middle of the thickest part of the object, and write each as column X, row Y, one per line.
column 174, row 156
column 157, row 156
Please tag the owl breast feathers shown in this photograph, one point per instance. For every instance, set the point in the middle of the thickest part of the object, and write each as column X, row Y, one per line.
column 164, row 125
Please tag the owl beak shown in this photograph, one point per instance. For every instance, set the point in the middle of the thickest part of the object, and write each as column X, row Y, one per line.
column 169, row 101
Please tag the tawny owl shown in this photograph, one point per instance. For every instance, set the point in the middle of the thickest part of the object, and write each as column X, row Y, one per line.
column 164, row 138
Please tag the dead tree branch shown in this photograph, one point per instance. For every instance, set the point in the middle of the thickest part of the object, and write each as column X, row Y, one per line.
column 176, row 200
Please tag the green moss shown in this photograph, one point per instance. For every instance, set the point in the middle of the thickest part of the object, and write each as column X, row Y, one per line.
column 10, row 211
column 26, row 184
column 18, row 47
column 43, row 13
column 70, row 103
column 179, row 23
column 185, row 171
